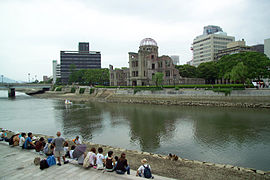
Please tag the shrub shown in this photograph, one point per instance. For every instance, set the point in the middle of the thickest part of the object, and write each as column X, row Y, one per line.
column 227, row 91
column 73, row 90
column 82, row 90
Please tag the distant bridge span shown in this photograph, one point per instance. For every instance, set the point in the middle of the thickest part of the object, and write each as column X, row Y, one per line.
column 12, row 86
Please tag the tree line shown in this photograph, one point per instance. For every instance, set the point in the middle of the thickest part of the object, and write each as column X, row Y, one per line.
column 239, row 68
column 89, row 76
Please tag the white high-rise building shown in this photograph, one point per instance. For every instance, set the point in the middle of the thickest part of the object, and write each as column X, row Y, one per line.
column 267, row 47
column 207, row 45
column 175, row 59
column 56, row 71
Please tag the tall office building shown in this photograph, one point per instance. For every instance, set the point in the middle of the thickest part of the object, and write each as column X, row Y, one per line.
column 175, row 59
column 206, row 46
column 56, row 71
column 77, row 60
column 267, row 47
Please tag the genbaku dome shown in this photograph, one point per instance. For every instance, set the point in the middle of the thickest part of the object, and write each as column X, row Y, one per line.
column 143, row 65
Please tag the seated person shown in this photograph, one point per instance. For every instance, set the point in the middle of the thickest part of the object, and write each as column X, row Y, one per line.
column 40, row 145
column 122, row 165
column 110, row 162
column 144, row 170
column 100, row 159
column 71, row 151
column 16, row 140
column 28, row 144
column 22, row 139
column 77, row 140
column 3, row 135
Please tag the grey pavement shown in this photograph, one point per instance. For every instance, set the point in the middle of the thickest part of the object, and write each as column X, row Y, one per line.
column 16, row 163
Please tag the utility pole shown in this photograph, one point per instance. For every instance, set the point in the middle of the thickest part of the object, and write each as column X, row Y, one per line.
column 29, row 77
column 2, row 79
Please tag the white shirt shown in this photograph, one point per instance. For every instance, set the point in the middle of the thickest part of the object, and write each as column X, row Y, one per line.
column 141, row 168
column 78, row 142
column 70, row 154
column 92, row 157
column 100, row 158
column 65, row 149
column 21, row 141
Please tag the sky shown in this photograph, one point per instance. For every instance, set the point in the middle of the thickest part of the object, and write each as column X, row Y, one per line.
column 33, row 32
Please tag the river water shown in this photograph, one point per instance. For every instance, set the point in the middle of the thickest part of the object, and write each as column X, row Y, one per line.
column 234, row 136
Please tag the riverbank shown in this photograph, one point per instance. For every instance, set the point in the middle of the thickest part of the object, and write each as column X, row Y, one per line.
column 250, row 98
column 182, row 168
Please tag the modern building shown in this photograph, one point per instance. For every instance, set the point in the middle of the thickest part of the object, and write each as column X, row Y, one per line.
column 56, row 71
column 175, row 59
column 233, row 48
column 77, row 60
column 143, row 66
column 206, row 46
column 267, row 47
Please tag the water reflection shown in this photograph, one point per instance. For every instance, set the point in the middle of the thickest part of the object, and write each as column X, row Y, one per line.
column 147, row 124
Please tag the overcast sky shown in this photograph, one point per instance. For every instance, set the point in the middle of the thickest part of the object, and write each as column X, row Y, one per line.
column 32, row 32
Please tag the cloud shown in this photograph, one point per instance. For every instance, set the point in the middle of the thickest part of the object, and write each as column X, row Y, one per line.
column 34, row 31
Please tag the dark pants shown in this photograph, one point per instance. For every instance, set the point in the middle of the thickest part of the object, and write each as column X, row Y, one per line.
column 123, row 172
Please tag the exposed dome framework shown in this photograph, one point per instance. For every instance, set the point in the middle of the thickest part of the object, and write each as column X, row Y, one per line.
column 148, row 42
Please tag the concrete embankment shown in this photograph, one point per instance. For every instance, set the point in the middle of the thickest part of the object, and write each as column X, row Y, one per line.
column 251, row 98
column 181, row 168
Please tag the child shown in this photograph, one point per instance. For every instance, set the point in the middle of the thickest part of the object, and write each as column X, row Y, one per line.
column 110, row 162
column 144, row 170
column 100, row 159
column 90, row 159
column 28, row 144
column 59, row 149
column 22, row 139
column 77, row 140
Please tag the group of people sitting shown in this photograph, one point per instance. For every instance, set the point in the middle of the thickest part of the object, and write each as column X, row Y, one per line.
column 58, row 148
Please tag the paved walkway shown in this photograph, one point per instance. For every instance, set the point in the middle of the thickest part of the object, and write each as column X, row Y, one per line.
column 16, row 163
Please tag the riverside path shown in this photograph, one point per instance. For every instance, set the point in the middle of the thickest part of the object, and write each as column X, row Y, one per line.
column 16, row 163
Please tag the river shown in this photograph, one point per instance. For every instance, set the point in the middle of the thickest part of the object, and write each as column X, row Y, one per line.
column 240, row 137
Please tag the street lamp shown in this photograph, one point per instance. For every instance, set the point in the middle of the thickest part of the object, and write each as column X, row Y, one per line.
column 29, row 77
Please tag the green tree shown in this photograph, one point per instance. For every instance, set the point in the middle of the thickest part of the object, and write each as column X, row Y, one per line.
column 187, row 71
column 257, row 64
column 208, row 71
column 239, row 73
column 158, row 78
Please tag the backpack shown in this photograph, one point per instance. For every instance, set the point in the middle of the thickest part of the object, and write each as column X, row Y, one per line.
column 51, row 160
column 43, row 164
column 11, row 142
column 86, row 162
column 147, row 172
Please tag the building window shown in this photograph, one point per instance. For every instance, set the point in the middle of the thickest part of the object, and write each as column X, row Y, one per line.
column 160, row 64
column 167, row 73
column 144, row 73
column 152, row 56
column 136, row 63
column 153, row 66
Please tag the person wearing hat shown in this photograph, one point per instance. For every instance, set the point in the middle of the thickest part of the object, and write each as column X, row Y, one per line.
column 144, row 170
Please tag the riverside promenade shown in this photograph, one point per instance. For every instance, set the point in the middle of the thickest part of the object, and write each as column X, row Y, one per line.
column 16, row 163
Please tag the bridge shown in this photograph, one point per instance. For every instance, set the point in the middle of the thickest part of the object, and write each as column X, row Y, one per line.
column 12, row 86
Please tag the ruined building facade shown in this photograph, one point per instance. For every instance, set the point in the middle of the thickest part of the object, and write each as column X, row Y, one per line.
column 143, row 65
